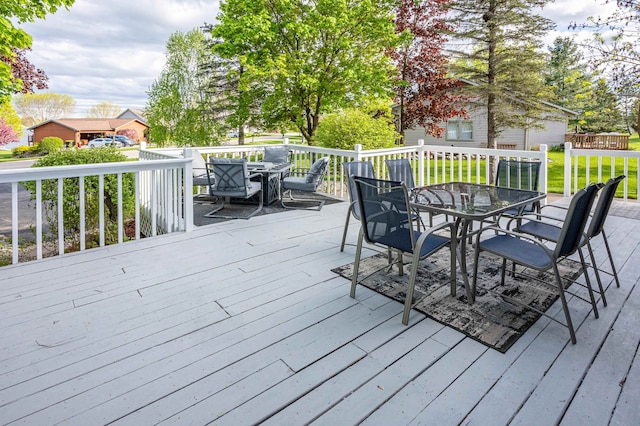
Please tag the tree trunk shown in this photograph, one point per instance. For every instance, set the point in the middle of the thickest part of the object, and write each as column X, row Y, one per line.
column 491, row 82
column 240, row 135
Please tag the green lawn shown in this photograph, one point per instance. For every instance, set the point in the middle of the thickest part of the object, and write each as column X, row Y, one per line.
column 556, row 170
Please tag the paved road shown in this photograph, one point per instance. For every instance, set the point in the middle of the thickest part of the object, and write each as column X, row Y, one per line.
column 26, row 209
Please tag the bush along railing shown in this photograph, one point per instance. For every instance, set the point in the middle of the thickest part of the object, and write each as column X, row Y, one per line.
column 83, row 206
column 582, row 166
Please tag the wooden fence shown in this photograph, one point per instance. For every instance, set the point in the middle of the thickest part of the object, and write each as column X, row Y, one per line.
column 597, row 141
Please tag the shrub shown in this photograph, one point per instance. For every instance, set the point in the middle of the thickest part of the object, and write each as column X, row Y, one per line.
column 50, row 145
column 352, row 126
column 24, row 151
column 71, row 201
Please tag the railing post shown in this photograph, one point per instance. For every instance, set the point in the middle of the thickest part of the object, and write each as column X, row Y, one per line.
column 420, row 151
column 358, row 149
column 544, row 168
column 567, row 169
column 188, row 191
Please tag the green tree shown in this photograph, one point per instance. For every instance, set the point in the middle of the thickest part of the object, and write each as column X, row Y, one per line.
column 498, row 42
column 13, row 39
column 567, row 77
column 602, row 113
column 104, row 110
column 227, row 102
column 615, row 46
column 176, row 99
column 38, row 107
column 345, row 129
column 304, row 59
column 10, row 117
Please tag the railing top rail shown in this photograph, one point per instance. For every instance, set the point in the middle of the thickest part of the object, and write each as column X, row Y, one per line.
column 605, row 153
column 55, row 172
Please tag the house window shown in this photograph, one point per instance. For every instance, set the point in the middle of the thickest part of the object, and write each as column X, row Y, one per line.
column 459, row 130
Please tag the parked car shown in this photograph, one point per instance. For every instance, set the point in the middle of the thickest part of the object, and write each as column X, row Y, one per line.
column 100, row 142
column 125, row 141
column 232, row 134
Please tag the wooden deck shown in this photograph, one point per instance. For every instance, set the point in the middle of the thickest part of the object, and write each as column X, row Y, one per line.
column 243, row 322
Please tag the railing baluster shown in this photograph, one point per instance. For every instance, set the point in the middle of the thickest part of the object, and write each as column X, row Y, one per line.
column 61, row 216
column 83, row 230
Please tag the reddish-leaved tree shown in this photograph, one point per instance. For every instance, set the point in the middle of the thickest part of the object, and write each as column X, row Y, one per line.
column 424, row 94
column 7, row 133
column 32, row 78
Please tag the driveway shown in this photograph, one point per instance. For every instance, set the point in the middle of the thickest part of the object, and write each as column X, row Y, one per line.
column 26, row 210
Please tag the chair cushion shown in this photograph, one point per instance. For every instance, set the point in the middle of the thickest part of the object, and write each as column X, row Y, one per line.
column 313, row 176
column 276, row 154
column 519, row 251
column 298, row 184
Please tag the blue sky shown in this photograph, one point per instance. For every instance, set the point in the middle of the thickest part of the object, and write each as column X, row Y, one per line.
column 113, row 50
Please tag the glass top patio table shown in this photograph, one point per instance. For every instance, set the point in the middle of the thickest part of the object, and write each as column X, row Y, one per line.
column 468, row 202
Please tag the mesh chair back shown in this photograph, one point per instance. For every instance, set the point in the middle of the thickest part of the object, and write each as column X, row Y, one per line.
column 385, row 219
column 231, row 176
column 518, row 174
column 358, row 169
column 602, row 207
column 576, row 220
column 400, row 171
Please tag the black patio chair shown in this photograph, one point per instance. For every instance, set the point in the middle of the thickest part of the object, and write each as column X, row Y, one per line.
column 232, row 180
column 400, row 171
column 550, row 232
column 305, row 180
column 520, row 175
column 526, row 250
column 386, row 222
column 354, row 169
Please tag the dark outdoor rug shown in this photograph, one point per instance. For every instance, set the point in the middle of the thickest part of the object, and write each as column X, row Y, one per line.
column 205, row 204
column 491, row 320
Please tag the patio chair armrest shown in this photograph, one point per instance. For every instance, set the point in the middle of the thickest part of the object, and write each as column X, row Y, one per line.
column 533, row 217
column 515, row 234
column 253, row 175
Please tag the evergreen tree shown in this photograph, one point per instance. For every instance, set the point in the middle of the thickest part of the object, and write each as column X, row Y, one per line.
column 498, row 43
column 567, row 77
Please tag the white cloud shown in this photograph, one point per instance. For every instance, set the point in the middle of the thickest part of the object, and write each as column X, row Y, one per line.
column 113, row 50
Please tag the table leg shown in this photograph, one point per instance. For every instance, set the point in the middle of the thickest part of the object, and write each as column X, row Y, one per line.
column 462, row 256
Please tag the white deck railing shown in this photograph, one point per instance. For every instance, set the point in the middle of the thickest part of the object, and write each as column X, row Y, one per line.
column 433, row 164
column 164, row 190
column 160, row 203
column 604, row 164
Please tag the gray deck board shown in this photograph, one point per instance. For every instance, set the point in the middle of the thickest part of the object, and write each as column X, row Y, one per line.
column 243, row 322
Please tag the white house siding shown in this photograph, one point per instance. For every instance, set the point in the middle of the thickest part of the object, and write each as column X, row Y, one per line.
column 553, row 134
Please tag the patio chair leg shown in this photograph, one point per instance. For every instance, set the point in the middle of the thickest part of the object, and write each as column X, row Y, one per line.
column 249, row 216
column 317, row 204
column 346, row 227
column 588, row 282
column 356, row 265
column 408, row 301
column 613, row 267
column 565, row 307
column 597, row 273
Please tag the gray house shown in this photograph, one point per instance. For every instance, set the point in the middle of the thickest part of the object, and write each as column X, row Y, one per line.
column 472, row 132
